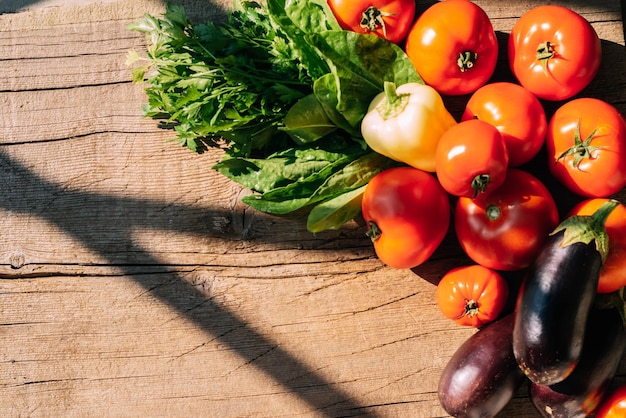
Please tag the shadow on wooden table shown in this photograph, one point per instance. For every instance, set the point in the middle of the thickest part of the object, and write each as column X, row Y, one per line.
column 24, row 192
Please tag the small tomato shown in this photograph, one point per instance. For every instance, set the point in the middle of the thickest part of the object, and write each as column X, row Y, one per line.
column 472, row 295
column 554, row 52
column 505, row 229
column 471, row 158
column 389, row 19
column 614, row 405
column 516, row 113
column 407, row 214
column 586, row 146
column 453, row 46
column 613, row 273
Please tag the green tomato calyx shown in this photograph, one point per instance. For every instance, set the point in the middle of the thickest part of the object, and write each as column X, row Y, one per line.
column 480, row 183
column 581, row 149
column 373, row 231
column 545, row 51
column 585, row 229
column 372, row 19
column 471, row 308
column 466, row 60
column 493, row 212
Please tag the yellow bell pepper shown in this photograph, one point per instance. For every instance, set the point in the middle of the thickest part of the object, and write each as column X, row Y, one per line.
column 406, row 123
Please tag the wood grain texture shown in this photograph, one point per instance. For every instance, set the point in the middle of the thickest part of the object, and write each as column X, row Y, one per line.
column 133, row 282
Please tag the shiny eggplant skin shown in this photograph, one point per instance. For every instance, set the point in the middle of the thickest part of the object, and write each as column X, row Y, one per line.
column 482, row 376
column 581, row 392
column 552, row 309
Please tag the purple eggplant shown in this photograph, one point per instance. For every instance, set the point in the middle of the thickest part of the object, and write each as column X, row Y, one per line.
column 556, row 296
column 581, row 392
column 482, row 376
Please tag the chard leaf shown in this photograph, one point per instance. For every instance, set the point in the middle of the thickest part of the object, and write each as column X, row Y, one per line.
column 332, row 180
column 295, row 19
column 326, row 90
column 307, row 121
column 355, row 174
column 333, row 213
column 361, row 63
column 268, row 174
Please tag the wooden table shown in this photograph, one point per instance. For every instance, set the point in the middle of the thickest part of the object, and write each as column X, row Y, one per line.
column 134, row 283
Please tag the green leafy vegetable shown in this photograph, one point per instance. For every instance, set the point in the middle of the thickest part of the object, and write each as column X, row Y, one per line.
column 282, row 90
column 360, row 64
column 335, row 212
column 233, row 81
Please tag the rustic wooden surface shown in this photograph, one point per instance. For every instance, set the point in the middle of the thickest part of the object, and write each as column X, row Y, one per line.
column 134, row 283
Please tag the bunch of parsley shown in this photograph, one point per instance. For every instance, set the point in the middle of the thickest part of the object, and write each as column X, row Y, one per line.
column 232, row 81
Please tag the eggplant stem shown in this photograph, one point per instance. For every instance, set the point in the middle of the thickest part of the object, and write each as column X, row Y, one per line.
column 585, row 229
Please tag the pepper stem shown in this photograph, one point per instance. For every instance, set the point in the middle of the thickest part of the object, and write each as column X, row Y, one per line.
column 395, row 103
column 585, row 229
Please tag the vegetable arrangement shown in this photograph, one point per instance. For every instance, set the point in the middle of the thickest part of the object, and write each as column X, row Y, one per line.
column 339, row 109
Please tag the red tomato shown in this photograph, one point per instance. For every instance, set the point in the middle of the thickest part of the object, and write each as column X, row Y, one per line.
column 453, row 47
column 554, row 52
column 389, row 19
column 407, row 214
column 614, row 406
column 586, row 146
column 471, row 158
column 613, row 274
column 516, row 113
column 472, row 295
column 505, row 229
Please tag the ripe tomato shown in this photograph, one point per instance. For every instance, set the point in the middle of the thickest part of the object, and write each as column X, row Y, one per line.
column 471, row 158
column 505, row 229
column 472, row 295
column 516, row 113
column 389, row 19
column 407, row 213
column 613, row 274
column 453, row 47
column 614, row 405
column 554, row 52
column 586, row 146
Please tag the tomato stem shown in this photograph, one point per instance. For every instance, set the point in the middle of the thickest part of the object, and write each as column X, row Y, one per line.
column 466, row 60
column 480, row 183
column 373, row 231
column 581, row 149
column 493, row 212
column 372, row 19
column 471, row 308
column 545, row 51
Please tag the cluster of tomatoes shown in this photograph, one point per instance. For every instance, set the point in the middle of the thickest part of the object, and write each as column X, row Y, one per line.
column 502, row 213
